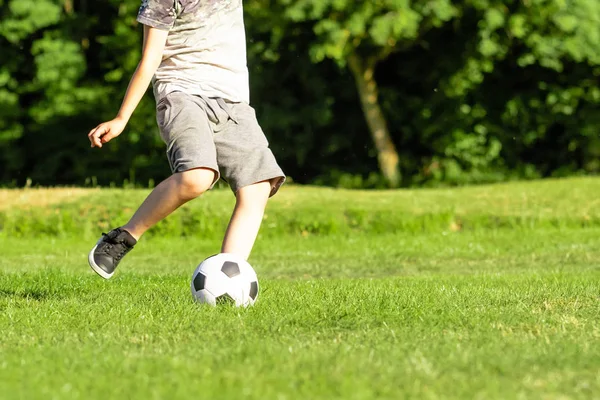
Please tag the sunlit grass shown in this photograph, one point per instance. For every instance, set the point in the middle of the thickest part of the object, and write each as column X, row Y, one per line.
column 441, row 311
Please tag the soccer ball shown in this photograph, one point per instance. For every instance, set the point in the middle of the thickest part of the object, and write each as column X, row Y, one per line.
column 225, row 279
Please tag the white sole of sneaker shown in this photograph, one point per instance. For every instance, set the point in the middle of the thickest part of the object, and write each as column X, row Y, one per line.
column 94, row 266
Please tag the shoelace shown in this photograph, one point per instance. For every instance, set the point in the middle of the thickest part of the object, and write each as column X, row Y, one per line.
column 109, row 244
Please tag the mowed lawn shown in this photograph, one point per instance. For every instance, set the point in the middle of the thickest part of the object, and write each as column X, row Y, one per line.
column 459, row 308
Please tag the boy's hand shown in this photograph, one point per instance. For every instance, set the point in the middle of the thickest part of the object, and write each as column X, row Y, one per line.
column 105, row 132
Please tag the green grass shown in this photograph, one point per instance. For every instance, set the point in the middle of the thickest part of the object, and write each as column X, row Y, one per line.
column 505, row 311
column 563, row 203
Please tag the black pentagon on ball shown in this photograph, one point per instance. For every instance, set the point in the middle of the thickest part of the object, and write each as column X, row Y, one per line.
column 225, row 299
column 230, row 269
column 253, row 290
column 199, row 282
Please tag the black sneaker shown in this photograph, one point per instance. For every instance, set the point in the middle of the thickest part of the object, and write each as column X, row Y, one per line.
column 108, row 252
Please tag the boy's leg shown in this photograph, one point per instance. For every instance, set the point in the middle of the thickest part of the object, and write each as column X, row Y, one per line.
column 249, row 166
column 169, row 195
column 164, row 199
column 246, row 219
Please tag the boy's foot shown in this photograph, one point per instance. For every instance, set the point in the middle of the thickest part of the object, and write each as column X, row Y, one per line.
column 109, row 251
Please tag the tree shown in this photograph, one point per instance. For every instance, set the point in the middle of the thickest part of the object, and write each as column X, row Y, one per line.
column 525, row 90
column 360, row 35
column 452, row 93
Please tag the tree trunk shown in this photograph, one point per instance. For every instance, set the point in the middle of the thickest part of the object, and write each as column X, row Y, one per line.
column 387, row 155
column 68, row 7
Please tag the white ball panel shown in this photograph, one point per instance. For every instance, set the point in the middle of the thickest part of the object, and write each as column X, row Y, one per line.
column 212, row 264
column 204, row 296
column 237, row 291
column 217, row 283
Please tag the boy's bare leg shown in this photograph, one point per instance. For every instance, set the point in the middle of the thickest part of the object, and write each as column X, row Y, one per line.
column 246, row 219
column 169, row 195
column 164, row 199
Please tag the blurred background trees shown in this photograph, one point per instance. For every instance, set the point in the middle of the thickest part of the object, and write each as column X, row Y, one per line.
column 350, row 93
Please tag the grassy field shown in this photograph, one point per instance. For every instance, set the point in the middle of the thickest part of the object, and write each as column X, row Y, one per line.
column 490, row 292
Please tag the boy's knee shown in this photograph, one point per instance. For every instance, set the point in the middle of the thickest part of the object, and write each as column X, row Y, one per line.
column 195, row 182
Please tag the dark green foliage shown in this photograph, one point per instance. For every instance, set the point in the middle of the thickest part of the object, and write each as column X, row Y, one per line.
column 475, row 91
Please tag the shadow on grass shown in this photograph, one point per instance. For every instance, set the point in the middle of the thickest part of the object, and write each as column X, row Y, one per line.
column 31, row 294
column 41, row 286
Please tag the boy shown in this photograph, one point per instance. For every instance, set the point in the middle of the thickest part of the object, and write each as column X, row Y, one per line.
column 194, row 52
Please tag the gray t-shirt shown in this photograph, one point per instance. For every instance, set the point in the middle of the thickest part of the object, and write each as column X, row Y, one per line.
column 205, row 53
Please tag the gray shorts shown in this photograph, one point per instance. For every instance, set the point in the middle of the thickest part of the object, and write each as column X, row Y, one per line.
column 203, row 132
